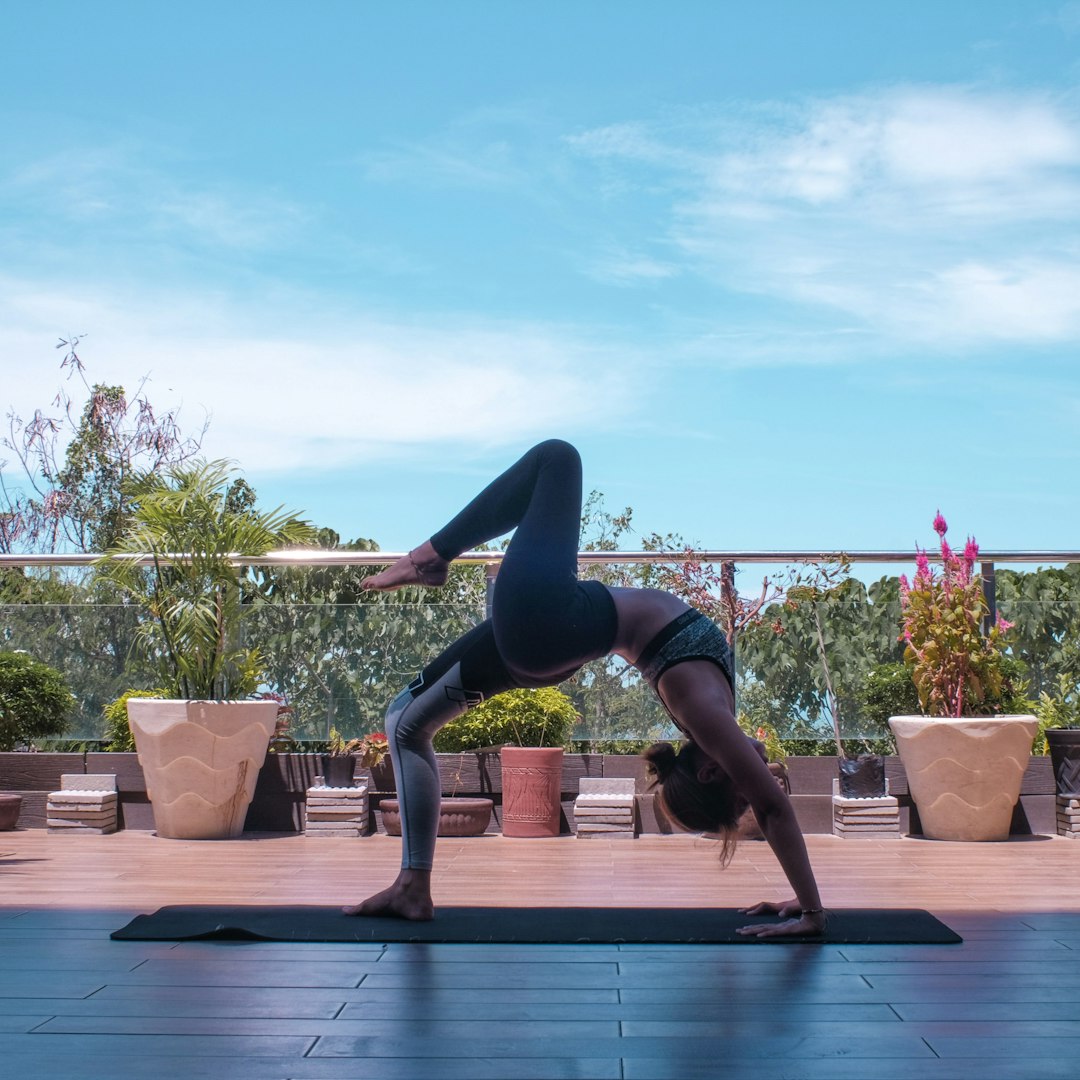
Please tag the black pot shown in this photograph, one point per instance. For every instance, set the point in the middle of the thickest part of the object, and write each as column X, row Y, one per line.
column 862, row 777
column 339, row 770
column 1064, row 746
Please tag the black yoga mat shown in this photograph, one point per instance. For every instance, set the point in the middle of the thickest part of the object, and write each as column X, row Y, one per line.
column 568, row 926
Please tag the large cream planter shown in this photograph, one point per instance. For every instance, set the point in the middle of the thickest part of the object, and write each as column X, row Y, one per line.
column 201, row 760
column 964, row 773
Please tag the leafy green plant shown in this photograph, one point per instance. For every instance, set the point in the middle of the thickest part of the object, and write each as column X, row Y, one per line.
column 117, row 729
column 1058, row 710
column 888, row 690
column 192, row 522
column 956, row 668
column 338, row 746
column 34, row 701
column 765, row 734
column 543, row 717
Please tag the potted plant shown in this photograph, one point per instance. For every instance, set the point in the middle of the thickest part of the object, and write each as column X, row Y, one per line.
column 826, row 585
column 458, row 815
column 34, row 703
column 1059, row 733
column 339, row 760
column 966, row 756
column 374, row 754
column 530, row 728
column 201, row 748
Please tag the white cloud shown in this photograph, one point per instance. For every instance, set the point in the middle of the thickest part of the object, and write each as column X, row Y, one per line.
column 622, row 267
column 326, row 390
column 921, row 213
column 131, row 191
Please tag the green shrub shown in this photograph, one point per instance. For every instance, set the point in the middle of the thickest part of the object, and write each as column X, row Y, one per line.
column 623, row 747
column 1060, row 710
column 34, row 701
column 889, row 690
column 542, row 717
column 117, row 730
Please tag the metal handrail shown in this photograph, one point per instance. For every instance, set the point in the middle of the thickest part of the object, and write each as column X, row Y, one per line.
column 311, row 557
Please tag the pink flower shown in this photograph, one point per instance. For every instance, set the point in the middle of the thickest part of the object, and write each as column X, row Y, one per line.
column 940, row 527
column 905, row 585
column 1003, row 624
column 971, row 552
column 946, row 551
column 922, row 568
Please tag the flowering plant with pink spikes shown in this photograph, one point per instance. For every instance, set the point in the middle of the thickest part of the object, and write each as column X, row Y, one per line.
column 955, row 666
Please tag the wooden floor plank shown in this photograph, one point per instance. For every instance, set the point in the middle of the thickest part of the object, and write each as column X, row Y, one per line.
column 1001, row 1006
column 854, row 1068
column 53, row 1066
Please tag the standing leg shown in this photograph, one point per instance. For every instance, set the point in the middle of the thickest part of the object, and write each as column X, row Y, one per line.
column 466, row 674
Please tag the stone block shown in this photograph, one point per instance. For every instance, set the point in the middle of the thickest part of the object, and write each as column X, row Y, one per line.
column 605, row 807
column 878, row 816
column 84, row 803
column 337, row 811
column 88, row 782
column 1068, row 816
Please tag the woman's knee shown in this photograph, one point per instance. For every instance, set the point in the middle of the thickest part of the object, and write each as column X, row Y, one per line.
column 559, row 451
column 396, row 723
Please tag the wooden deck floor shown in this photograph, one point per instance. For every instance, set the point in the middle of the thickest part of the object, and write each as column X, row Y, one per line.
column 1005, row 1004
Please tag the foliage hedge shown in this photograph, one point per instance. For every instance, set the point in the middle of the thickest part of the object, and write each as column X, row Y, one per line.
column 35, row 702
column 543, row 717
column 117, row 729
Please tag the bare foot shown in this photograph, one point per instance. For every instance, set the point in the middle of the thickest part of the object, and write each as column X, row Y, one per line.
column 422, row 566
column 408, row 898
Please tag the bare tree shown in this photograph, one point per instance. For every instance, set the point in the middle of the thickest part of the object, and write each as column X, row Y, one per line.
column 74, row 459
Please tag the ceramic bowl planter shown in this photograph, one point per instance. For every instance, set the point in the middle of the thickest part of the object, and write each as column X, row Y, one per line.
column 964, row 773
column 201, row 760
column 457, row 816
column 532, row 790
column 1064, row 744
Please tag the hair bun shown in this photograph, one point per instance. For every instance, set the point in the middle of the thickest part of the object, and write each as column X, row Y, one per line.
column 660, row 757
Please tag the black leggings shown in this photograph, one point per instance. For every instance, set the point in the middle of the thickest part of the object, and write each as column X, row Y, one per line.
column 544, row 624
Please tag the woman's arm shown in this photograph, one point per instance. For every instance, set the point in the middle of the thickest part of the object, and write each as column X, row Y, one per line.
column 705, row 706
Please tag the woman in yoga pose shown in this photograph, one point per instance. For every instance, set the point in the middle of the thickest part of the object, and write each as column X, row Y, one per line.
column 544, row 625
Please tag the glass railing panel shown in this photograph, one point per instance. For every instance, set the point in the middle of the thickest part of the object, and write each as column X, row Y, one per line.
column 340, row 665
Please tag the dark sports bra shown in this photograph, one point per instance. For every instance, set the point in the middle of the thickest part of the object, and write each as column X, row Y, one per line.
column 690, row 636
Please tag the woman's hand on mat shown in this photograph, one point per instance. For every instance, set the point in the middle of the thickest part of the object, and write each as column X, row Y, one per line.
column 795, row 922
column 786, row 909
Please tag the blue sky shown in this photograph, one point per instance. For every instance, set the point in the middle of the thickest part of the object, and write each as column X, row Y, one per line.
column 792, row 275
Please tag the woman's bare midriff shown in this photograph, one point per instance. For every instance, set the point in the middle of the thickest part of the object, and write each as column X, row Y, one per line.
column 642, row 614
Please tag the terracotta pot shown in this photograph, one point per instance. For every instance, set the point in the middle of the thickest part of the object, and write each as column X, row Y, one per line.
column 10, row 805
column 201, row 760
column 457, row 817
column 532, row 790
column 964, row 773
column 1064, row 746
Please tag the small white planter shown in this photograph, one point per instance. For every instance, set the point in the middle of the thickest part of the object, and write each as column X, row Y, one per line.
column 201, row 760
column 964, row 773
